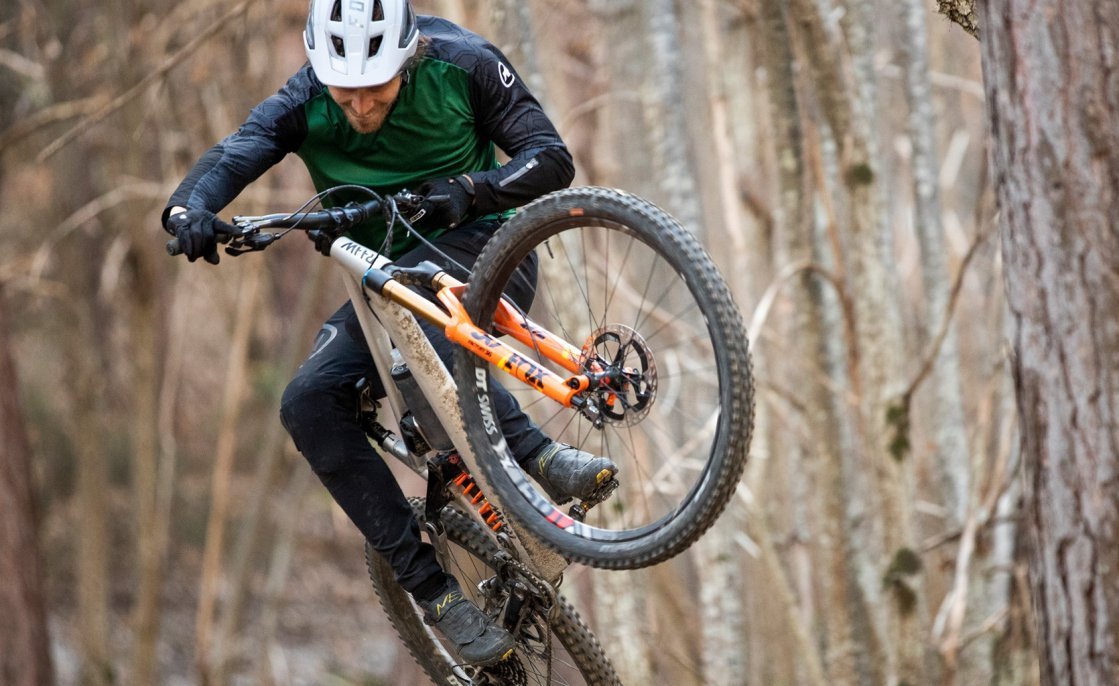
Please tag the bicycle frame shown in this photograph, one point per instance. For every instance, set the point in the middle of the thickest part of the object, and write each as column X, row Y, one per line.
column 387, row 314
column 459, row 328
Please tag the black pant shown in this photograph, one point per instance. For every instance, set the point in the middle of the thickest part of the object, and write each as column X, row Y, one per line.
column 318, row 410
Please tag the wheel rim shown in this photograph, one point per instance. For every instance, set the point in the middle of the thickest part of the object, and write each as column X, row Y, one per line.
column 601, row 285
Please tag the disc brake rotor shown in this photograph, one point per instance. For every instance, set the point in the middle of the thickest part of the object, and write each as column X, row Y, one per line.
column 623, row 373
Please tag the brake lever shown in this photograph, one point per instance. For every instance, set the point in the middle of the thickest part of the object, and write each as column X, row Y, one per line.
column 322, row 241
column 408, row 205
column 412, row 206
column 250, row 243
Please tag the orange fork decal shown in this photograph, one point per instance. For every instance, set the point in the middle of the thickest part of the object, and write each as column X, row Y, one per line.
column 463, row 332
column 508, row 321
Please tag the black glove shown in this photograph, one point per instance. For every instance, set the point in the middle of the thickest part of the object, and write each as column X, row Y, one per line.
column 445, row 202
column 198, row 231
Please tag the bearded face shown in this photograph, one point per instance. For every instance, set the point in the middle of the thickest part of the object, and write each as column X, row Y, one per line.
column 367, row 108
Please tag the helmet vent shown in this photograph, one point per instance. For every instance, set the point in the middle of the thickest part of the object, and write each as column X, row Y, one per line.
column 408, row 29
column 360, row 43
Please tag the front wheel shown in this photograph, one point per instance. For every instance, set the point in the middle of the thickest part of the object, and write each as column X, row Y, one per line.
column 631, row 289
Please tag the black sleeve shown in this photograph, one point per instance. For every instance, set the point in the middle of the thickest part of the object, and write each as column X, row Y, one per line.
column 508, row 114
column 274, row 128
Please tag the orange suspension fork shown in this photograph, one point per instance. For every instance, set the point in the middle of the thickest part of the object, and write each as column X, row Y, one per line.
column 508, row 321
column 459, row 328
column 462, row 331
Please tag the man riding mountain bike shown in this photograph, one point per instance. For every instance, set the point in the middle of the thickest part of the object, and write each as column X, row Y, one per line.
column 392, row 101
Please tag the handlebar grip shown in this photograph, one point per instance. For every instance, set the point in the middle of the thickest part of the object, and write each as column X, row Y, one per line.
column 174, row 249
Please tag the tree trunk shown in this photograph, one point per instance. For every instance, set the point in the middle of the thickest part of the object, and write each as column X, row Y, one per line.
column 808, row 362
column 721, row 607
column 719, row 569
column 86, row 371
column 622, row 143
column 268, row 459
column 515, row 37
column 951, row 456
column 144, row 308
column 24, row 642
column 866, row 480
column 738, row 272
column 1053, row 99
column 666, row 117
column 623, row 625
column 233, row 396
column 299, row 481
column 145, row 447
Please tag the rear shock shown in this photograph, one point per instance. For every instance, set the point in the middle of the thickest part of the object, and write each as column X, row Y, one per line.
column 451, row 472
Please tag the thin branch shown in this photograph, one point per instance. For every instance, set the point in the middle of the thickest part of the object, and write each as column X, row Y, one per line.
column 1004, row 475
column 83, row 214
column 950, row 618
column 942, row 80
column 989, row 624
column 23, row 128
column 946, row 321
column 21, row 66
column 761, row 312
column 116, row 103
column 948, row 625
column 595, row 103
column 758, row 207
column 933, row 542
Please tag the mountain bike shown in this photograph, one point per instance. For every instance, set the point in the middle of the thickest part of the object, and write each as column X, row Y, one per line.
column 633, row 348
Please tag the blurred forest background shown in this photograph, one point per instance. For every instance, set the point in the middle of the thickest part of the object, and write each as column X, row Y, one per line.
column 830, row 153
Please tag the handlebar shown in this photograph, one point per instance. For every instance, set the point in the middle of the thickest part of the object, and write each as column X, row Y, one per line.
column 333, row 221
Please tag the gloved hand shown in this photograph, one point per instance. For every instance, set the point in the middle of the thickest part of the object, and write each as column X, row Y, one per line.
column 198, row 231
column 445, row 203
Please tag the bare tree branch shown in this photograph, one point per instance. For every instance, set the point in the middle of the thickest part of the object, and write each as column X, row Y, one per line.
column 116, row 103
column 21, row 65
column 46, row 116
column 945, row 324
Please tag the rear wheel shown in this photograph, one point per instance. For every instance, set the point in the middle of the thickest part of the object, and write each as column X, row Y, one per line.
column 637, row 294
column 552, row 648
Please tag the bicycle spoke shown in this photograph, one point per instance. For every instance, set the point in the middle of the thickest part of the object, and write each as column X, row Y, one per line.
column 662, row 350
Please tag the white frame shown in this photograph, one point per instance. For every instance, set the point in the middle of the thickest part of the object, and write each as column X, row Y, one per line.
column 383, row 320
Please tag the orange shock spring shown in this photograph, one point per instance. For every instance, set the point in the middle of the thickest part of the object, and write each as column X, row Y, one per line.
column 473, row 492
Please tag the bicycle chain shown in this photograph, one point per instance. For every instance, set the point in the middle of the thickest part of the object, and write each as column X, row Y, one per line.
column 541, row 586
column 545, row 589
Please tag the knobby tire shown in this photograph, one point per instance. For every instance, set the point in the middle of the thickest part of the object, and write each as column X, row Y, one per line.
column 615, row 254
column 586, row 655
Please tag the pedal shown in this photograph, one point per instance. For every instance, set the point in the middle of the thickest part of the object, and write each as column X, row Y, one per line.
column 579, row 510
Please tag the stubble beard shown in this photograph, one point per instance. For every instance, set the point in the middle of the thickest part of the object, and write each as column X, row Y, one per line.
column 368, row 123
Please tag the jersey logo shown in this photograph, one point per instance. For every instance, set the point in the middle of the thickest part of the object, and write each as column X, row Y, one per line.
column 506, row 74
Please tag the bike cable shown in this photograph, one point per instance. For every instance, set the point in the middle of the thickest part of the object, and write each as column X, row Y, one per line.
column 530, row 287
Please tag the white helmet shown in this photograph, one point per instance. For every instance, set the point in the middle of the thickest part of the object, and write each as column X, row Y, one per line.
column 358, row 43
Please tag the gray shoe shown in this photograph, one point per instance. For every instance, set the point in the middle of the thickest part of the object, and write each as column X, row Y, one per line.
column 566, row 472
column 476, row 638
